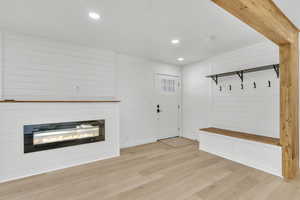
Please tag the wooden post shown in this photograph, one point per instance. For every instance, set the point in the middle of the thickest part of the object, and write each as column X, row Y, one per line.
column 289, row 102
column 266, row 18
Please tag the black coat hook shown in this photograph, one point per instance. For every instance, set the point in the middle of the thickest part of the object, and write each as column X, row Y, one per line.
column 241, row 75
column 220, row 88
column 242, row 86
column 215, row 79
column 230, row 87
column 269, row 83
column 254, row 84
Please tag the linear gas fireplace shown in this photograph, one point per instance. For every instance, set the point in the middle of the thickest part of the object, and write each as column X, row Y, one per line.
column 50, row 136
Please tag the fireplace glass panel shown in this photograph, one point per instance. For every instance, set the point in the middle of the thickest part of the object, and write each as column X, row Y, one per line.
column 49, row 136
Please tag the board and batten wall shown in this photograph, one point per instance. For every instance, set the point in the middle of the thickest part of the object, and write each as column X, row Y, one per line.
column 32, row 67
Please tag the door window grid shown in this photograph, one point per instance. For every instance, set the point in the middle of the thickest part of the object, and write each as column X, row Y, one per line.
column 168, row 85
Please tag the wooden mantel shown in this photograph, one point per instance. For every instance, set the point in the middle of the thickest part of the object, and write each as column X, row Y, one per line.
column 266, row 18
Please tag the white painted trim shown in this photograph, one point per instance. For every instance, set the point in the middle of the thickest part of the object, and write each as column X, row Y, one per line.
column 179, row 78
column 164, row 74
column 138, row 142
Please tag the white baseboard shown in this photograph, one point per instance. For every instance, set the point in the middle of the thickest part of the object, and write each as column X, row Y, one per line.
column 138, row 142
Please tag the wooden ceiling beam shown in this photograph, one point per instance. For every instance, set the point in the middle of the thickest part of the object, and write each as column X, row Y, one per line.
column 263, row 16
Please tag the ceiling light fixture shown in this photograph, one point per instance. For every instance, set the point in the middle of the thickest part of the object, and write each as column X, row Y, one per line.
column 94, row 15
column 175, row 41
column 180, row 59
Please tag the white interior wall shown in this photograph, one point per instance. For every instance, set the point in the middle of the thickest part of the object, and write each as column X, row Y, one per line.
column 249, row 110
column 196, row 110
column 253, row 110
column 38, row 68
column 138, row 102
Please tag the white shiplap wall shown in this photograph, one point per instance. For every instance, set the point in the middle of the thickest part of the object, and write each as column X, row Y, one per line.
column 249, row 110
column 37, row 68
column 253, row 110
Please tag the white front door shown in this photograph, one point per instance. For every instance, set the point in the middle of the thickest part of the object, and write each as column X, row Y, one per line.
column 167, row 105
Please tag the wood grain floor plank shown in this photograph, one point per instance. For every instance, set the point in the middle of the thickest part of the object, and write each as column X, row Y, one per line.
column 155, row 171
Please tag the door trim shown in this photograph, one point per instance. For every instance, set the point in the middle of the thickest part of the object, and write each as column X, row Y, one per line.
column 179, row 123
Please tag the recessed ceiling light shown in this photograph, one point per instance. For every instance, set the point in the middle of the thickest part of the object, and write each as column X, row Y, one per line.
column 180, row 59
column 175, row 41
column 94, row 15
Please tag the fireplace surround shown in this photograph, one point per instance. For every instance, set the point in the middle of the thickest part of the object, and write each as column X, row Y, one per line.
column 15, row 115
column 39, row 137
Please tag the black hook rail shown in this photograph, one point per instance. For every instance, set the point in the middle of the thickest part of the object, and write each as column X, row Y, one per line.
column 241, row 73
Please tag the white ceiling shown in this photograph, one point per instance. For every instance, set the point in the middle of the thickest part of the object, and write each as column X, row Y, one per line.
column 291, row 9
column 138, row 27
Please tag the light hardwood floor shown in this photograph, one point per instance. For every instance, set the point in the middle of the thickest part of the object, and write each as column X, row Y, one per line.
column 155, row 171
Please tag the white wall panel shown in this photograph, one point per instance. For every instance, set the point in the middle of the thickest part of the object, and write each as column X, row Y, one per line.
column 37, row 68
column 253, row 110
column 138, row 98
column 248, row 110
column 195, row 99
